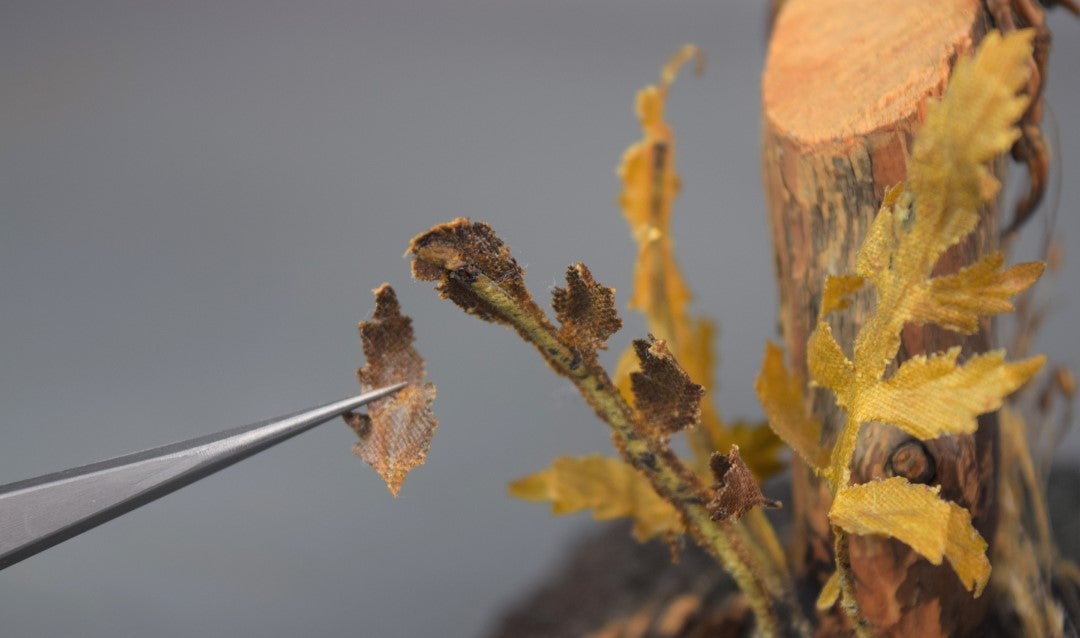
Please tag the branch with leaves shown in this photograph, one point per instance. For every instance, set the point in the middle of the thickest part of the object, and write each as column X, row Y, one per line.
column 925, row 396
column 476, row 271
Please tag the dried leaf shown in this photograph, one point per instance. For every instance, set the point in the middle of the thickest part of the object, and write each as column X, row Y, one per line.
column 737, row 492
column 396, row 433
column 664, row 395
column 916, row 515
column 982, row 289
column 931, row 396
column 608, row 487
column 586, row 310
column 781, row 395
column 456, row 253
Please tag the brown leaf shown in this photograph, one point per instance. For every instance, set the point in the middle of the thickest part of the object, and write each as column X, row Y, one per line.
column 736, row 490
column 456, row 253
column 586, row 310
column 396, row 432
column 663, row 393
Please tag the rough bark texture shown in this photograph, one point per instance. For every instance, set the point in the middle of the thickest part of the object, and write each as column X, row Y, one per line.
column 844, row 90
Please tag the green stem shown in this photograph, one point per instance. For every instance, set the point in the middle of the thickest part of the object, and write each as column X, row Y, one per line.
column 676, row 483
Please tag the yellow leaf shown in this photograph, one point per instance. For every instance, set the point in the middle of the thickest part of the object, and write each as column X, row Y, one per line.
column 829, row 367
column 982, row 289
column 972, row 124
column 650, row 185
column 932, row 396
column 829, row 592
column 966, row 550
column 894, row 507
column 929, row 396
column 873, row 259
column 837, row 292
column 781, row 395
column 607, row 486
column 916, row 515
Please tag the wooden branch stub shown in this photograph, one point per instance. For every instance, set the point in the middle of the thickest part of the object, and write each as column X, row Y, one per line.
column 844, row 91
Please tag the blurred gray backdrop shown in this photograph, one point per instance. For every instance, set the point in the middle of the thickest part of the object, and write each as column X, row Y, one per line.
column 196, row 199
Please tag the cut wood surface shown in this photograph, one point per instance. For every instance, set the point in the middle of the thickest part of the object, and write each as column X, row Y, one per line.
column 844, row 90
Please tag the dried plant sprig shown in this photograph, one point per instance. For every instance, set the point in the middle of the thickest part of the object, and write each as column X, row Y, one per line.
column 650, row 185
column 475, row 270
column 947, row 183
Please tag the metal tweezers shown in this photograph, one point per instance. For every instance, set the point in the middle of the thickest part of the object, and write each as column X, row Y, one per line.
column 37, row 513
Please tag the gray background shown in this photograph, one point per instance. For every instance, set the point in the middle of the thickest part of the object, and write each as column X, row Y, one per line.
column 195, row 201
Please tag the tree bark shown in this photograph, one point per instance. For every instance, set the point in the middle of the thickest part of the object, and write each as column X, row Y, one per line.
column 844, row 90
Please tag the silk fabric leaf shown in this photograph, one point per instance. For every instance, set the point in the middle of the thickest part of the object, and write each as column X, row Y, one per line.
column 396, row 432
column 932, row 396
column 608, row 487
column 781, row 395
column 917, row 516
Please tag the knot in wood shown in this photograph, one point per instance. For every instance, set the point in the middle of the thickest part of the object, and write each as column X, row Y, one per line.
column 912, row 461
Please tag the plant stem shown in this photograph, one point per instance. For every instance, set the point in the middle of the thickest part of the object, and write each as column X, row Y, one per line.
column 759, row 580
column 848, row 602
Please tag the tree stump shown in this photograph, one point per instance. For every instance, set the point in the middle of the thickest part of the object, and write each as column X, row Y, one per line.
column 844, row 90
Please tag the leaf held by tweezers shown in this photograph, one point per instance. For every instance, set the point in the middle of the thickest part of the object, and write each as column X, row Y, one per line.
column 396, row 432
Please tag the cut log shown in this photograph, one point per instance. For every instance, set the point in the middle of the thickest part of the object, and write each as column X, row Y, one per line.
column 844, row 89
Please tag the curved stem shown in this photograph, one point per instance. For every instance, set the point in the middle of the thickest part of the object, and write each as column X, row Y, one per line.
column 669, row 477
column 848, row 601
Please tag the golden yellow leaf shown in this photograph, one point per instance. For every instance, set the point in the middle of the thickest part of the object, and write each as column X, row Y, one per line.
column 607, row 486
column 972, row 124
column 829, row 592
column 928, row 396
column 916, row 515
column 650, row 186
column 873, row 260
column 966, row 550
column 982, row 289
column 932, row 396
column 894, row 507
column 947, row 182
column 781, row 395
column 837, row 292
column 829, row 366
